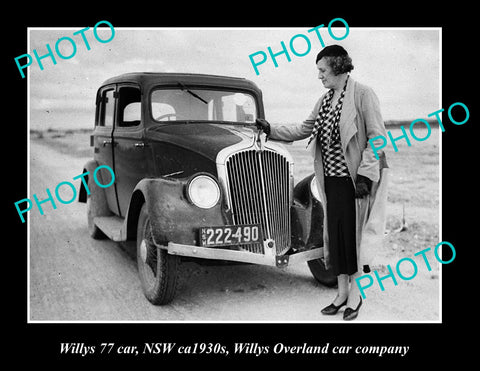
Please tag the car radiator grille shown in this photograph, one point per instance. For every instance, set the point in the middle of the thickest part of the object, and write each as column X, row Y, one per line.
column 259, row 189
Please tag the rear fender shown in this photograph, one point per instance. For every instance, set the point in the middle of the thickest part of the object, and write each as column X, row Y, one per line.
column 99, row 206
column 89, row 167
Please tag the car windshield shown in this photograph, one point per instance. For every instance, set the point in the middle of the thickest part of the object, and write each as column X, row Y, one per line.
column 192, row 104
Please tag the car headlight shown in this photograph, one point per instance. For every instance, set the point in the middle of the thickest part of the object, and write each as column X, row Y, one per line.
column 203, row 191
column 314, row 188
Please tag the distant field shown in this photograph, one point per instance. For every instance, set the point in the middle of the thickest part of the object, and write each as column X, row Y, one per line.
column 414, row 182
column 72, row 142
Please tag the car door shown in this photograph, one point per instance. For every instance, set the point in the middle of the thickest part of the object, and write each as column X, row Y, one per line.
column 103, row 141
column 129, row 146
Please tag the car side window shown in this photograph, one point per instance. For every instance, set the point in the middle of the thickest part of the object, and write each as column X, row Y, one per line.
column 107, row 108
column 129, row 106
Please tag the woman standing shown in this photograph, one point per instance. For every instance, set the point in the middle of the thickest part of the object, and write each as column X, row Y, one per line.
column 350, row 179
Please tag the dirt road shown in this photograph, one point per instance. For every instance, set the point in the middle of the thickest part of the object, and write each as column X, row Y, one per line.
column 75, row 278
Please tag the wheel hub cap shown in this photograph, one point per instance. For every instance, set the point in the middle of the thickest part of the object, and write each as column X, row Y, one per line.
column 143, row 251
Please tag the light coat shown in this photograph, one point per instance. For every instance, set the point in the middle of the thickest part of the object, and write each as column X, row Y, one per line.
column 360, row 121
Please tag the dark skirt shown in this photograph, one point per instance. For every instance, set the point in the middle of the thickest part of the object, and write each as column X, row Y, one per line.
column 341, row 216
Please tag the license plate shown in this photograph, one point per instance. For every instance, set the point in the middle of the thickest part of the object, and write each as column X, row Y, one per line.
column 230, row 235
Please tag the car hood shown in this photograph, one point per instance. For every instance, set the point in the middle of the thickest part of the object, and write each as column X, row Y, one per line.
column 202, row 138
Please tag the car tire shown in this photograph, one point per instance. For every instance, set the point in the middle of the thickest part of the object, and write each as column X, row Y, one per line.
column 322, row 274
column 157, row 269
column 94, row 232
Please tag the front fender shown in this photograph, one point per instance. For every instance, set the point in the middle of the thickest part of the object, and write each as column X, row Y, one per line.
column 307, row 217
column 172, row 216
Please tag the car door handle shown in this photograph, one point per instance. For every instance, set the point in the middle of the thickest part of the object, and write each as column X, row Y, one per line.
column 109, row 142
column 139, row 145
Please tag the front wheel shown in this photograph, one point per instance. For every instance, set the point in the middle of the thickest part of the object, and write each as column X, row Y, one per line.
column 322, row 274
column 157, row 269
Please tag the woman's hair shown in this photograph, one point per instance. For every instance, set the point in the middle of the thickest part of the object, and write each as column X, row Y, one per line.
column 337, row 58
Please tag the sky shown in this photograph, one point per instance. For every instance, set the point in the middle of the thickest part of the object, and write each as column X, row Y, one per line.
column 402, row 65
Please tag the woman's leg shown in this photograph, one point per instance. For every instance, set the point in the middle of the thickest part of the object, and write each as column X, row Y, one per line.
column 342, row 291
column 354, row 292
column 354, row 301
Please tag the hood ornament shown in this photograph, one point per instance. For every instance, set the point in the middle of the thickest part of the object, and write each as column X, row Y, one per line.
column 258, row 143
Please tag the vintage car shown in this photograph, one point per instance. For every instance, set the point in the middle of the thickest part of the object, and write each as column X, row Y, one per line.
column 195, row 178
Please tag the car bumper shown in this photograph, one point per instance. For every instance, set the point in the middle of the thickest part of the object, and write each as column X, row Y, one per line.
column 269, row 258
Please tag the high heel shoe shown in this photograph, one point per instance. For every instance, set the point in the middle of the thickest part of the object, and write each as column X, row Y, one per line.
column 350, row 314
column 332, row 308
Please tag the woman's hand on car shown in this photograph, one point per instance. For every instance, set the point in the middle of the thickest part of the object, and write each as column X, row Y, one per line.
column 263, row 124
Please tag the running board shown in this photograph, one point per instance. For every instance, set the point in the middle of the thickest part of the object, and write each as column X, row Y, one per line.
column 112, row 226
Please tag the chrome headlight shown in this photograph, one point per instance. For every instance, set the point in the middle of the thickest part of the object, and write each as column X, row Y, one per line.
column 203, row 191
column 314, row 188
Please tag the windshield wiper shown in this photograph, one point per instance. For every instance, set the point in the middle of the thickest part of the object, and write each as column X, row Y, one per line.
column 192, row 93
